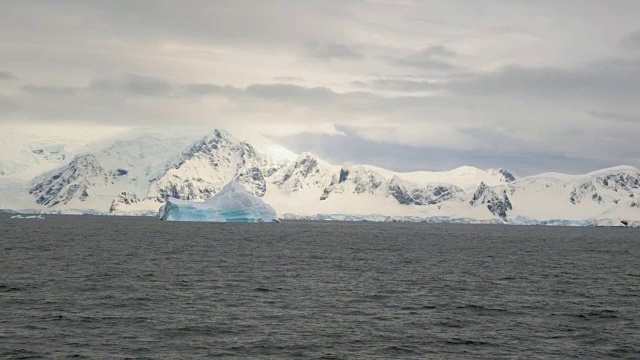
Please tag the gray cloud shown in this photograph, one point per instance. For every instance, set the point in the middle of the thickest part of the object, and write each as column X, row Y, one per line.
column 334, row 51
column 7, row 75
column 51, row 91
column 607, row 81
column 475, row 123
column 154, row 87
column 427, row 64
column 7, row 105
column 317, row 96
column 401, row 85
column 632, row 40
column 128, row 85
column 616, row 116
column 351, row 147
column 210, row 89
column 131, row 84
column 223, row 21
column 435, row 50
column 431, row 58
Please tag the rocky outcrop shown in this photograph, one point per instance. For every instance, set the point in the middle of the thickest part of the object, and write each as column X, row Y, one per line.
column 507, row 176
column 124, row 198
column 497, row 203
column 354, row 179
column 621, row 184
column 306, row 172
column 428, row 195
column 69, row 182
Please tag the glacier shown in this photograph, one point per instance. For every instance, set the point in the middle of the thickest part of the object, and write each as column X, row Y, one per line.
column 231, row 204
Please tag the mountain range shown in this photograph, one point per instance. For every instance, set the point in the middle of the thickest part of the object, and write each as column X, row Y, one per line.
column 133, row 174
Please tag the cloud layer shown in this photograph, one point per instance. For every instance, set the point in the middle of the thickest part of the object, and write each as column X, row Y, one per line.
column 534, row 86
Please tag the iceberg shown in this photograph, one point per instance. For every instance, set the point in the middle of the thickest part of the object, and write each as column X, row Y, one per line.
column 40, row 217
column 231, row 204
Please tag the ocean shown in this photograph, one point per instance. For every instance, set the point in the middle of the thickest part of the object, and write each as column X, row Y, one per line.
column 127, row 287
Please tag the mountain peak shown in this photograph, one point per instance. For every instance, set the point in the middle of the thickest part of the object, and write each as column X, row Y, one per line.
column 507, row 175
column 220, row 133
column 306, row 155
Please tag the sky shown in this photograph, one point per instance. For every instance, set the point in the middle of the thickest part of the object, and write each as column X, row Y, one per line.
column 531, row 86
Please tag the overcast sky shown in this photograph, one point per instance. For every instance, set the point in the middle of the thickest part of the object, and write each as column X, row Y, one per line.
column 548, row 85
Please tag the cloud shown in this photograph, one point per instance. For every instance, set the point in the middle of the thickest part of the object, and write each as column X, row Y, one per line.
column 612, row 81
column 273, row 22
column 431, row 58
column 632, row 40
column 401, row 85
column 154, row 87
column 334, row 51
column 147, row 100
column 7, row 105
column 51, row 91
column 352, row 147
column 134, row 85
column 210, row 89
column 616, row 116
column 131, row 84
column 316, row 96
column 434, row 51
column 288, row 79
column 7, row 75
column 491, row 111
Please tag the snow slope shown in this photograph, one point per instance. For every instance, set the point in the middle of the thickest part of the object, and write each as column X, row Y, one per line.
column 464, row 176
column 134, row 171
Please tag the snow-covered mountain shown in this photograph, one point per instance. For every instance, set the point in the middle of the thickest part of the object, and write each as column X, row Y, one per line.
column 134, row 172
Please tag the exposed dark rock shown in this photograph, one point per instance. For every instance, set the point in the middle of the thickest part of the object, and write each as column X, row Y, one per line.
column 329, row 189
column 123, row 198
column 253, row 180
column 508, row 177
column 428, row 195
column 498, row 204
column 344, row 174
column 69, row 181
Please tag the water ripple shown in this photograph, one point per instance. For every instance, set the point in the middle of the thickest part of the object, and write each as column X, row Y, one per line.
column 118, row 287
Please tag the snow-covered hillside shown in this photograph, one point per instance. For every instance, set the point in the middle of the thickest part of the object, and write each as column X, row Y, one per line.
column 134, row 171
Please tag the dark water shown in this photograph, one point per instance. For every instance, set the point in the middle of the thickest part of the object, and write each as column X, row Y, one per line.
column 105, row 287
